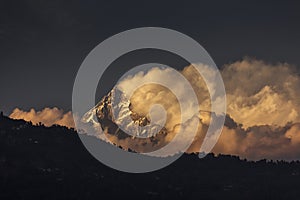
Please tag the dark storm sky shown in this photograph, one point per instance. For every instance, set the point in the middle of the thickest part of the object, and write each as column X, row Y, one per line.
column 42, row 43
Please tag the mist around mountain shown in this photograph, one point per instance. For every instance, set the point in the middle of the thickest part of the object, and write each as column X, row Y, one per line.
column 38, row 162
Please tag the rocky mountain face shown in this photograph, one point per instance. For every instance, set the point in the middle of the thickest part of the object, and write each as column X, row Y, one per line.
column 115, row 116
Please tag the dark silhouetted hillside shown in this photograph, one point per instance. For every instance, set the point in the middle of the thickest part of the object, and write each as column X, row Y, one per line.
column 38, row 162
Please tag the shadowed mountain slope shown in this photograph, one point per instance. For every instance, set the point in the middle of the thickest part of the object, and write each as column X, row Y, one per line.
column 38, row 162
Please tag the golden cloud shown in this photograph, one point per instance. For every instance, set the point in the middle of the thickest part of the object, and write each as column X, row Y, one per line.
column 47, row 116
column 263, row 110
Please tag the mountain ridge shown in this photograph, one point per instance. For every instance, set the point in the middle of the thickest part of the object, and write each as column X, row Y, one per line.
column 38, row 162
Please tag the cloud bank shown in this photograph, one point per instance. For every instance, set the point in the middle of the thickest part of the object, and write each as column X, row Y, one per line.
column 47, row 116
column 263, row 109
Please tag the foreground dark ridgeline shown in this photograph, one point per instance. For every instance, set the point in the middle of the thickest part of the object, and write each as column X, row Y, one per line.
column 38, row 162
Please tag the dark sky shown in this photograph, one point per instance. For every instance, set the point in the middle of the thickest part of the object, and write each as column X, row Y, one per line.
column 42, row 43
